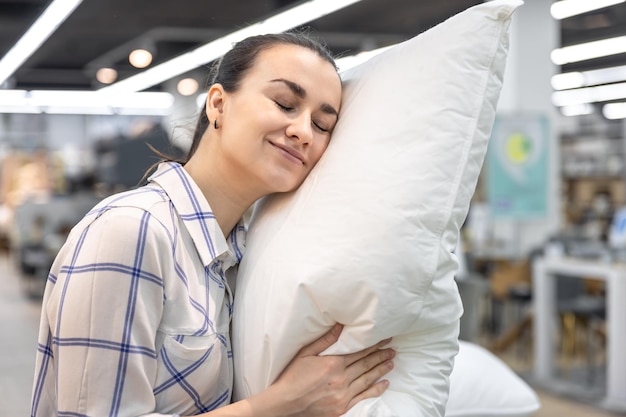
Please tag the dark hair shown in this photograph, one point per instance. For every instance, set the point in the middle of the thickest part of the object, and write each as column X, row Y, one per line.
column 234, row 65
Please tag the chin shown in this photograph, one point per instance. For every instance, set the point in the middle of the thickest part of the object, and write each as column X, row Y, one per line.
column 287, row 189
column 284, row 180
column 286, row 186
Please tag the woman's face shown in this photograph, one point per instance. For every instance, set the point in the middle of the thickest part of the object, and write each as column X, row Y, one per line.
column 277, row 124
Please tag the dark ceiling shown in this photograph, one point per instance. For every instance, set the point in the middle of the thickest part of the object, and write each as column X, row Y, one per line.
column 102, row 32
column 600, row 24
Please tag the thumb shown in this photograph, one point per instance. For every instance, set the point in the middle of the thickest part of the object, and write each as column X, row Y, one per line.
column 323, row 343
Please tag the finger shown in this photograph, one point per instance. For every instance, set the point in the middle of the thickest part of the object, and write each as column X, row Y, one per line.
column 364, row 382
column 322, row 343
column 373, row 391
column 366, row 365
column 354, row 357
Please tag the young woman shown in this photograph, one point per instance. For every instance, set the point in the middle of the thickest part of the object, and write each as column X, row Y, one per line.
column 137, row 307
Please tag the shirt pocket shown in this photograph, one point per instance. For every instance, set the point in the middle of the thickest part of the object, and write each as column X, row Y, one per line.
column 188, row 348
column 194, row 374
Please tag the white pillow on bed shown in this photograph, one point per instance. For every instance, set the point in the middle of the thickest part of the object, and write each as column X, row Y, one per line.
column 481, row 385
column 368, row 239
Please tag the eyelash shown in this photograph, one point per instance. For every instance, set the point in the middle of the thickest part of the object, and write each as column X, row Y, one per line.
column 288, row 109
column 285, row 108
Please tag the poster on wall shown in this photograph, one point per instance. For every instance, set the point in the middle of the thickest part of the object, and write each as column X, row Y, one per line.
column 517, row 167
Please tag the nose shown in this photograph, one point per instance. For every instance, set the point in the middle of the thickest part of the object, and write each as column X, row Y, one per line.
column 300, row 129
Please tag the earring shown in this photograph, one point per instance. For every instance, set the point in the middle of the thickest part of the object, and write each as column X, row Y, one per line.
column 215, row 124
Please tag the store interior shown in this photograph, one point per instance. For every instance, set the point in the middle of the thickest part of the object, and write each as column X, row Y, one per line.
column 542, row 253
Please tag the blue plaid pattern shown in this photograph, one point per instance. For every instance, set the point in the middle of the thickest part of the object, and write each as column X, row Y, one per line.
column 137, row 307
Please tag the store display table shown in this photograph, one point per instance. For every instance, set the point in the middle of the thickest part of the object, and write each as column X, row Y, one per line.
column 544, row 295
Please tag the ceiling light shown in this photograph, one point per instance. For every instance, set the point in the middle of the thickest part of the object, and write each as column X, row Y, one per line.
column 577, row 109
column 106, row 75
column 290, row 18
column 13, row 97
column 44, row 26
column 589, row 94
column 187, row 86
column 614, row 111
column 201, row 100
column 567, row 80
column 586, row 78
column 85, row 102
column 140, row 58
column 567, row 8
column 589, row 50
column 22, row 109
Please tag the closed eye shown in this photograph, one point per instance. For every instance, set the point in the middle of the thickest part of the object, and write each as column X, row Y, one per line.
column 320, row 128
column 283, row 107
column 288, row 109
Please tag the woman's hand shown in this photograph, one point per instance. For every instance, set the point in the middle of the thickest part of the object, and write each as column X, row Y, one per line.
column 319, row 386
column 313, row 385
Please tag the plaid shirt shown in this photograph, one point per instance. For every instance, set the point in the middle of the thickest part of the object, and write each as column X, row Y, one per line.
column 136, row 311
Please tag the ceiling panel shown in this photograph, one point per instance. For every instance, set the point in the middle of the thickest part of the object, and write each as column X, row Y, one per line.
column 102, row 32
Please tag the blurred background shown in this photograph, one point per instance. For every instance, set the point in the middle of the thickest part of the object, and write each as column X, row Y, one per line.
column 86, row 86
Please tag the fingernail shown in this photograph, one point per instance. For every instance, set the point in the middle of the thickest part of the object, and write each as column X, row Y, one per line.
column 389, row 365
column 385, row 342
column 391, row 353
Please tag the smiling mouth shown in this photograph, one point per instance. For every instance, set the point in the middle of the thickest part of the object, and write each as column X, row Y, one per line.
column 289, row 153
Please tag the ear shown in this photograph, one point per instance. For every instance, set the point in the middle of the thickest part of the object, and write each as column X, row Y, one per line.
column 215, row 101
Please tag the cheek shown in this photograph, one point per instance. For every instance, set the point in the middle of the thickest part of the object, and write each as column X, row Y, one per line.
column 318, row 149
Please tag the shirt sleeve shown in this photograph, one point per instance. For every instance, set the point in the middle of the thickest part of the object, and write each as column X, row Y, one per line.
column 104, row 314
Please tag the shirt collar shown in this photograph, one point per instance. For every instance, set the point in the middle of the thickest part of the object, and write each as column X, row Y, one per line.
column 198, row 218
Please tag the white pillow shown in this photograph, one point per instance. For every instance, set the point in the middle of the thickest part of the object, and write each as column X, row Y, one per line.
column 481, row 385
column 368, row 239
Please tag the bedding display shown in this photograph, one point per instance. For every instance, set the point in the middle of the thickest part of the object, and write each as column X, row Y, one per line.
column 482, row 385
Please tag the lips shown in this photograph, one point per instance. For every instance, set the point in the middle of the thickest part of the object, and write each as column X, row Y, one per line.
column 290, row 152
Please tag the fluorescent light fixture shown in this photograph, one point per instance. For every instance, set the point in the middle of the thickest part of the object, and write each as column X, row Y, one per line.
column 568, row 8
column 290, row 18
column 44, row 26
column 568, row 80
column 21, row 110
column 589, row 94
column 614, row 111
column 577, row 109
column 589, row 50
column 587, row 78
column 85, row 102
column 13, row 97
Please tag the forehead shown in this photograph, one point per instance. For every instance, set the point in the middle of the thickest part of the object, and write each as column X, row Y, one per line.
column 299, row 65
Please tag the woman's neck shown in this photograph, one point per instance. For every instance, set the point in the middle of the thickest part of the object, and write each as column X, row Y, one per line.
column 227, row 204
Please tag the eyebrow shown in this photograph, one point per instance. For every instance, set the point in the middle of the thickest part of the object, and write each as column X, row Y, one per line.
column 301, row 92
